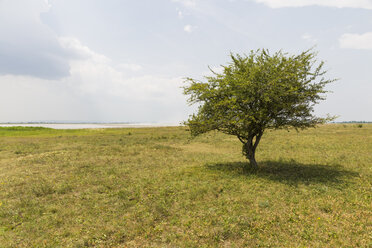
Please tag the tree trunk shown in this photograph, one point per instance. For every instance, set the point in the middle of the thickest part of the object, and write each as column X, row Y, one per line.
column 249, row 149
column 249, row 153
column 252, row 162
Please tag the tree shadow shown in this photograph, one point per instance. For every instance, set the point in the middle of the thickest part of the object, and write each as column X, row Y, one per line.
column 287, row 172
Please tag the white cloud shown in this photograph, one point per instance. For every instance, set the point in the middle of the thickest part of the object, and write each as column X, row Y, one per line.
column 25, row 98
column 130, row 67
column 186, row 3
column 48, row 4
column 93, row 73
column 308, row 37
column 363, row 4
column 356, row 41
column 180, row 14
column 74, row 46
column 188, row 28
column 90, row 77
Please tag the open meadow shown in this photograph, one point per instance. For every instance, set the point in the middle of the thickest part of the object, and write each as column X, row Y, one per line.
column 157, row 187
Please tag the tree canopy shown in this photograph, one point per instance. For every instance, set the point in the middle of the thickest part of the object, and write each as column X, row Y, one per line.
column 257, row 92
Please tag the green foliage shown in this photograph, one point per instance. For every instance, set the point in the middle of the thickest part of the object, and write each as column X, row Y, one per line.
column 21, row 128
column 256, row 92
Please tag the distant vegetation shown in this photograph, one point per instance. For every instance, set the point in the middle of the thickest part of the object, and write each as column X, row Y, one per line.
column 156, row 187
column 21, row 128
column 33, row 131
column 352, row 122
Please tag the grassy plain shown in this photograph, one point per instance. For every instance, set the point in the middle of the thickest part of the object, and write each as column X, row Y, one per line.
column 156, row 187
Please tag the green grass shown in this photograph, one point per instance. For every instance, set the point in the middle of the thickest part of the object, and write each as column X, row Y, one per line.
column 156, row 187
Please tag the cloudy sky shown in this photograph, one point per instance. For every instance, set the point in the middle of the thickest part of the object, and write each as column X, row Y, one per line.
column 122, row 60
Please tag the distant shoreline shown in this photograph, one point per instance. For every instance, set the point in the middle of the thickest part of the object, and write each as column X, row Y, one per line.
column 88, row 125
column 98, row 125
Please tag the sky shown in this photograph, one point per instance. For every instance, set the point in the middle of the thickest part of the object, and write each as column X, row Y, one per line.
column 125, row 61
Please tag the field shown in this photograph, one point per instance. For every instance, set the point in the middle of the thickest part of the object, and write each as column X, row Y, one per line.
column 157, row 187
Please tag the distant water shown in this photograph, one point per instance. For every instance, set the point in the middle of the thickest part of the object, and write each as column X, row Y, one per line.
column 87, row 125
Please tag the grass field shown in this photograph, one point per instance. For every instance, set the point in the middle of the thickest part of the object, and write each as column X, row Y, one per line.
column 156, row 187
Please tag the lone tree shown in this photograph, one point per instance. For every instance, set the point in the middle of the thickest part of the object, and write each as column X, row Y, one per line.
column 257, row 92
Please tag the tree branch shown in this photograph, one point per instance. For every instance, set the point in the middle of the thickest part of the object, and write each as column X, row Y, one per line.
column 241, row 139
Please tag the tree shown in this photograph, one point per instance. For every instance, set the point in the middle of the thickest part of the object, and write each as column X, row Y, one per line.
column 257, row 92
